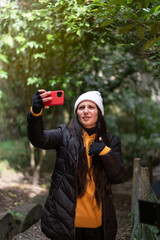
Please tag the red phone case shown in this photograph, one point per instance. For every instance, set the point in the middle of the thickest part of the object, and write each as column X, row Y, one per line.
column 57, row 98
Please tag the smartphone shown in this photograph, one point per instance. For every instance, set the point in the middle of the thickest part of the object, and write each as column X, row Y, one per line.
column 57, row 98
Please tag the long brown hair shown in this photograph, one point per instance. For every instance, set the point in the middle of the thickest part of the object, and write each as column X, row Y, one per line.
column 99, row 176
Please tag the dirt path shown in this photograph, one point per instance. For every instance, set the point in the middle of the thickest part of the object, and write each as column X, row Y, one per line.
column 17, row 189
column 122, row 202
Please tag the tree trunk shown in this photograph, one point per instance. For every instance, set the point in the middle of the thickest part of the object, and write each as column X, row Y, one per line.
column 32, row 157
column 36, row 171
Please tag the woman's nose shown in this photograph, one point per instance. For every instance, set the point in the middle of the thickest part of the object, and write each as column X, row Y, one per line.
column 85, row 110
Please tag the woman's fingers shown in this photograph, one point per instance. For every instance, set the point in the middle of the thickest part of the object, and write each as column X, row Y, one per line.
column 46, row 107
column 41, row 90
column 100, row 139
column 45, row 95
column 46, row 99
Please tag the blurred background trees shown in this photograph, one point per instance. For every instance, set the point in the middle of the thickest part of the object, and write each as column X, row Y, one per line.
column 110, row 46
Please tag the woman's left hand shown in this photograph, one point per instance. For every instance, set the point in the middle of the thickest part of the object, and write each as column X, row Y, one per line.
column 97, row 147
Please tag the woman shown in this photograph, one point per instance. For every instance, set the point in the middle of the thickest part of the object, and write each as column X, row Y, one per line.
column 79, row 205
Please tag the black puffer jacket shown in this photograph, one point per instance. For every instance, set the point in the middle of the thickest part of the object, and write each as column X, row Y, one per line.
column 59, row 211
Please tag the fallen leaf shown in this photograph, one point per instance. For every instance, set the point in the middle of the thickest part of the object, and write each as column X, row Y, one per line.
column 12, row 195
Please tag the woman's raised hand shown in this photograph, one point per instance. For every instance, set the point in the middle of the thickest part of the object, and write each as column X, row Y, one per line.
column 39, row 98
column 45, row 95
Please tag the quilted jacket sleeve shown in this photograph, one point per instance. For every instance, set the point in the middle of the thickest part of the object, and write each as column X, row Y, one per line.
column 113, row 162
column 45, row 139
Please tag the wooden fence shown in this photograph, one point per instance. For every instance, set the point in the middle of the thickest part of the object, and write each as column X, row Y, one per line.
column 142, row 190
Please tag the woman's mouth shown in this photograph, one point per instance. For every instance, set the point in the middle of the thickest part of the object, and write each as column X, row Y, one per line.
column 86, row 118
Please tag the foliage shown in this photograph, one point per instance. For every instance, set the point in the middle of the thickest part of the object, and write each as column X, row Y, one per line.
column 13, row 155
column 15, row 214
column 137, row 123
column 140, row 18
column 134, row 24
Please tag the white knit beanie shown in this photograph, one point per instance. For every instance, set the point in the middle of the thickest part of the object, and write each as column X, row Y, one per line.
column 93, row 96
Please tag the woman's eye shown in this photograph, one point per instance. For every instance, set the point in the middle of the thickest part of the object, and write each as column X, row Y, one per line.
column 81, row 108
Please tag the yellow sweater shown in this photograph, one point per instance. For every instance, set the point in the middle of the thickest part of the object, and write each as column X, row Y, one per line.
column 88, row 215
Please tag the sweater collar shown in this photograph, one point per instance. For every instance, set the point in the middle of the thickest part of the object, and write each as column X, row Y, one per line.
column 90, row 131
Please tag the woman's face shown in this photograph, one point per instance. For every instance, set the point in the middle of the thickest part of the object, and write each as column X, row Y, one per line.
column 87, row 112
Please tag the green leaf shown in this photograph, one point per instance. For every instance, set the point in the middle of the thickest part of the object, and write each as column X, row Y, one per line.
column 3, row 74
column 155, row 29
column 3, row 58
column 39, row 55
column 21, row 49
column 7, row 39
column 140, row 32
column 117, row 1
column 33, row 44
column 149, row 43
column 147, row 16
column 20, row 39
column 11, row 194
column 43, row 1
column 15, row 214
column 79, row 32
column 96, row 59
column 157, row 8
column 29, row 16
column 107, row 22
column 49, row 37
column 127, row 28
column 34, row 80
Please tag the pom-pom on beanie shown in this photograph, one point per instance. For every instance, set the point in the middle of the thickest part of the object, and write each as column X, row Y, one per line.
column 93, row 96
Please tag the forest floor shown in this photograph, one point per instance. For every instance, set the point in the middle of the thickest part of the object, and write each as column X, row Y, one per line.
column 15, row 190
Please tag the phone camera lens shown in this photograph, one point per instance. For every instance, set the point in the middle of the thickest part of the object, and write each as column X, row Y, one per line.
column 59, row 94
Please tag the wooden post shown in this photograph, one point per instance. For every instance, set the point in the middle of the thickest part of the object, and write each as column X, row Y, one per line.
column 135, row 193
column 150, row 169
column 144, row 183
column 136, row 174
